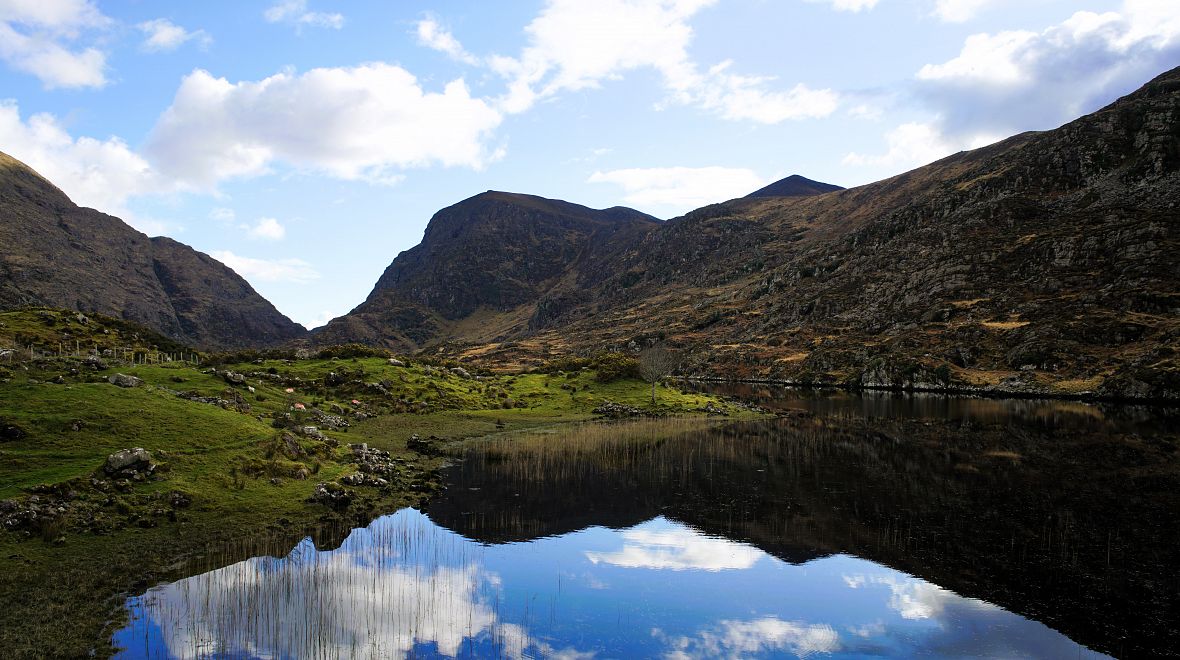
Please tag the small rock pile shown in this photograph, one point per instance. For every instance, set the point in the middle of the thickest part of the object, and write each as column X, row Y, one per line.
column 130, row 464
column 713, row 411
column 331, row 495
column 375, row 467
column 617, row 410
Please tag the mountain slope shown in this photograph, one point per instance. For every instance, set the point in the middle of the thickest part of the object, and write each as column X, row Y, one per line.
column 60, row 255
column 491, row 263
column 1044, row 263
column 794, row 186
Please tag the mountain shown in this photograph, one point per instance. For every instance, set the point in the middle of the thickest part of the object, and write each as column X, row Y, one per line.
column 489, row 264
column 794, row 186
column 1045, row 263
column 58, row 254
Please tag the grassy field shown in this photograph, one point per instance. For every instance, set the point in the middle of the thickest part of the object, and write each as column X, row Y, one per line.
column 235, row 466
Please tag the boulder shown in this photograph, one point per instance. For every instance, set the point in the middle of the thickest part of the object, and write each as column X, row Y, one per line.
column 461, row 372
column 94, row 362
column 128, row 459
column 234, row 378
column 123, row 380
column 10, row 431
column 394, row 362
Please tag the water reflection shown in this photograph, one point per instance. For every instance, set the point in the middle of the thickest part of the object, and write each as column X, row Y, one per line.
column 835, row 535
column 406, row 587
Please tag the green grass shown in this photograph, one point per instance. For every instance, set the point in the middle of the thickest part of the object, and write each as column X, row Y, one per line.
column 81, row 573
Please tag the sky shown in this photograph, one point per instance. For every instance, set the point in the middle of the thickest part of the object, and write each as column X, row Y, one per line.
column 305, row 143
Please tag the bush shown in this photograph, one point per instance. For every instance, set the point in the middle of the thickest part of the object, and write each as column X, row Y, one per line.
column 615, row 366
column 352, row 351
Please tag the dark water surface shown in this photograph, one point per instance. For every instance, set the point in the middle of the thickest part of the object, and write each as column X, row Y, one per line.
column 881, row 526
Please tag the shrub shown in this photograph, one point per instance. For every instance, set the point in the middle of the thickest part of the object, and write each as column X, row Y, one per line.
column 615, row 366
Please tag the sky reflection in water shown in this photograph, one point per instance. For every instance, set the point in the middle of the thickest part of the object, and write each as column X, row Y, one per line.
column 404, row 586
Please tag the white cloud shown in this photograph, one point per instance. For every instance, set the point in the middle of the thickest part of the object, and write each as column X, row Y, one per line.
column 575, row 45
column 375, row 596
column 735, row 639
column 739, row 97
column 36, row 38
column 1018, row 80
column 678, row 548
column 849, row 5
column 101, row 174
column 681, row 188
column 295, row 12
column 322, row 319
column 222, row 215
column 164, row 35
column 267, row 228
column 959, row 11
column 909, row 145
column 295, row 271
column 433, row 35
column 361, row 123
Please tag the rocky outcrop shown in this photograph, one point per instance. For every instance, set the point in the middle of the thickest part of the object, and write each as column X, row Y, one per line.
column 496, row 255
column 128, row 461
column 123, row 380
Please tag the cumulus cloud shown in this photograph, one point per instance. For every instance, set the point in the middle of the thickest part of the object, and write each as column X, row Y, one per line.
column 677, row 548
column 296, row 13
column 268, row 229
column 1007, row 82
column 101, row 174
column 681, row 188
column 960, row 11
column 909, row 145
column 848, row 5
column 575, row 45
column 392, row 588
column 735, row 639
column 434, row 36
column 162, row 35
column 360, row 123
column 38, row 38
column 1018, row 80
column 294, row 271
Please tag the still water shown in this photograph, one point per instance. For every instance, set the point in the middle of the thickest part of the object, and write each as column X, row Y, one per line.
column 831, row 533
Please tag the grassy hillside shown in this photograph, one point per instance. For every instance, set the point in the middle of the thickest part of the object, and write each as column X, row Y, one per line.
column 233, row 457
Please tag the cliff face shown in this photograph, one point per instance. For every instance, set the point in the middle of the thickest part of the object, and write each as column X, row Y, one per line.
column 488, row 264
column 60, row 255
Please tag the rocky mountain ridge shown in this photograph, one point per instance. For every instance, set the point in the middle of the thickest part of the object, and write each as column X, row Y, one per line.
column 1044, row 263
column 58, row 254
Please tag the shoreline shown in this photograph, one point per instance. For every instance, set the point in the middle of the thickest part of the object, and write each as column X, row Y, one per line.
column 983, row 392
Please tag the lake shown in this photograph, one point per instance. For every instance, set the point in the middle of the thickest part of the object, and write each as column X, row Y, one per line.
column 876, row 525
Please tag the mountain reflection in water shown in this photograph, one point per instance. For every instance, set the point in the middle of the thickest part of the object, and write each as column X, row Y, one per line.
column 404, row 586
column 833, row 535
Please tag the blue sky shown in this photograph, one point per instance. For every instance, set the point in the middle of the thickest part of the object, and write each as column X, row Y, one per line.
column 307, row 142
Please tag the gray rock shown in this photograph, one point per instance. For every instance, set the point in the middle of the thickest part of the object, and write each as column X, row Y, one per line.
column 461, row 372
column 123, row 380
column 394, row 362
column 128, row 458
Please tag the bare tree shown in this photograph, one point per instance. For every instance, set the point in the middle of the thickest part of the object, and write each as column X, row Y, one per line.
column 655, row 364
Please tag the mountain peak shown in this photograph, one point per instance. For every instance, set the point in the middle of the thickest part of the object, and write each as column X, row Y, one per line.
column 794, row 186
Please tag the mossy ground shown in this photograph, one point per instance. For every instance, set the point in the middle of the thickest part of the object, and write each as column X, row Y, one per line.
column 63, row 586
